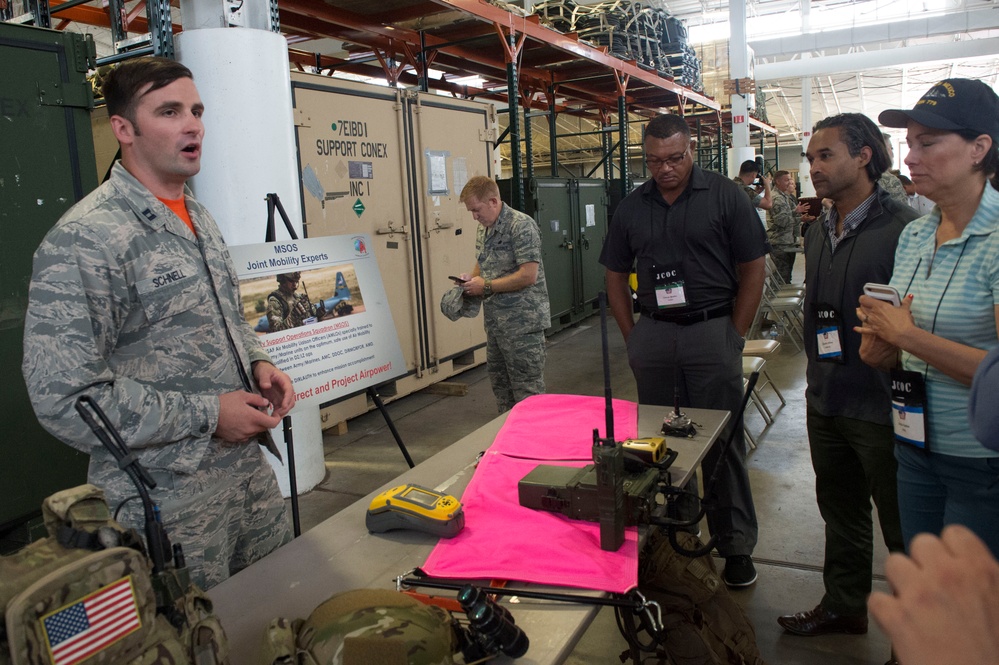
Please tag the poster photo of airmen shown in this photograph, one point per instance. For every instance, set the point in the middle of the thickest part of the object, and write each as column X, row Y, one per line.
column 293, row 299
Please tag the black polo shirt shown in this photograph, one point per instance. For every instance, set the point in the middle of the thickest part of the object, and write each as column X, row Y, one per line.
column 707, row 231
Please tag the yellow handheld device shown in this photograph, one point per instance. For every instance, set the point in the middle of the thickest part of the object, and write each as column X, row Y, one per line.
column 651, row 449
column 415, row 507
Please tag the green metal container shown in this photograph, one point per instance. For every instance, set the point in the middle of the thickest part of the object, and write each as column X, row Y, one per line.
column 46, row 165
column 590, row 203
column 572, row 216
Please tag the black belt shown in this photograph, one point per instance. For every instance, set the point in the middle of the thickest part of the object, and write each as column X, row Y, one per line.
column 688, row 318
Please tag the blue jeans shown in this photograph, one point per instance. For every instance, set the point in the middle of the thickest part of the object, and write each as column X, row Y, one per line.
column 935, row 490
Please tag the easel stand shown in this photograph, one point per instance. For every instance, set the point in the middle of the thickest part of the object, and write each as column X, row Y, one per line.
column 296, row 522
column 274, row 203
column 373, row 394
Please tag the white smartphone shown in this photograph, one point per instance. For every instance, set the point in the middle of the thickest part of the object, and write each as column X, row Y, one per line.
column 883, row 292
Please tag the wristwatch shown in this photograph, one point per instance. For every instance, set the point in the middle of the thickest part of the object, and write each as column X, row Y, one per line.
column 487, row 287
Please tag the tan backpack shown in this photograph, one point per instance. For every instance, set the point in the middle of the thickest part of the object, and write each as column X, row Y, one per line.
column 86, row 593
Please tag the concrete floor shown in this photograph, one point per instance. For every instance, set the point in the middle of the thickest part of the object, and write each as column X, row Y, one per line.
column 790, row 550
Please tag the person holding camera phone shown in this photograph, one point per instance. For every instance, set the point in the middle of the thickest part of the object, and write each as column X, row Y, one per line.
column 509, row 277
column 947, row 270
column 756, row 186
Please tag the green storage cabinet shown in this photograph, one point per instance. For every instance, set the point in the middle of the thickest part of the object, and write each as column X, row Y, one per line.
column 572, row 216
column 590, row 204
column 47, row 166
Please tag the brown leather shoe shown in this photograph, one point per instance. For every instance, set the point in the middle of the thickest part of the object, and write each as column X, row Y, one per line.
column 821, row 621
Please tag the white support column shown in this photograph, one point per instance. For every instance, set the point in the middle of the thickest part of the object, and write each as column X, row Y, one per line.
column 244, row 81
column 738, row 67
column 807, row 188
column 804, row 170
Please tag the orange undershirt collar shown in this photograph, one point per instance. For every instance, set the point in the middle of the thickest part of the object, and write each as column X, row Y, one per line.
column 179, row 207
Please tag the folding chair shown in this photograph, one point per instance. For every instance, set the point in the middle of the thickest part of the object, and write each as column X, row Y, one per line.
column 763, row 348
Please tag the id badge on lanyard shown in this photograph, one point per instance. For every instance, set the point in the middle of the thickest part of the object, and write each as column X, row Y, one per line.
column 908, row 408
column 669, row 287
column 828, row 333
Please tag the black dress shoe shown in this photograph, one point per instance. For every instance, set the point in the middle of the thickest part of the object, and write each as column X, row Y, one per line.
column 821, row 621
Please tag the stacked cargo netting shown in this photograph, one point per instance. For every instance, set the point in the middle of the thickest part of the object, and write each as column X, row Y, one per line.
column 556, row 14
column 631, row 30
column 681, row 58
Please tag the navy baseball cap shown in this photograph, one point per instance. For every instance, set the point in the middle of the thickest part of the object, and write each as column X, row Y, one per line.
column 952, row 105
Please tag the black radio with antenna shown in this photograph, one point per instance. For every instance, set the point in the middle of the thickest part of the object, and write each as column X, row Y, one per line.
column 623, row 485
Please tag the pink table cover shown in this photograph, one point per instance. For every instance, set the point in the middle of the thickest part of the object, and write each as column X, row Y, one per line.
column 503, row 540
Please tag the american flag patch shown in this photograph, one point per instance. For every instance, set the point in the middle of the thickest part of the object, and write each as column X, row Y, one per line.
column 92, row 624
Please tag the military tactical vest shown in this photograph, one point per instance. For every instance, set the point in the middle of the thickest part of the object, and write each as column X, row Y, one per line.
column 85, row 593
column 297, row 317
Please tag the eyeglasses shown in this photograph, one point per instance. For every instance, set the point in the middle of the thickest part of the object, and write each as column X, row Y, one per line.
column 654, row 163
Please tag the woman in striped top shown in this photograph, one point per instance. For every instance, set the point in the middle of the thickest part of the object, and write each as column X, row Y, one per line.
column 947, row 270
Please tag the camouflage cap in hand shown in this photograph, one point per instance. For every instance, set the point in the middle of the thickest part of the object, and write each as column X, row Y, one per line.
column 455, row 304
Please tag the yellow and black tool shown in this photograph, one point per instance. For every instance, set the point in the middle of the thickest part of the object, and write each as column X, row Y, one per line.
column 418, row 508
column 650, row 449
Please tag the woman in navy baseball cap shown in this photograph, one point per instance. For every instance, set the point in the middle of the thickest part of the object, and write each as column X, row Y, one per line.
column 947, row 270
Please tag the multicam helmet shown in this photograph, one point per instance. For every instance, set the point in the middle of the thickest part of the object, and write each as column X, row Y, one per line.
column 289, row 277
column 366, row 626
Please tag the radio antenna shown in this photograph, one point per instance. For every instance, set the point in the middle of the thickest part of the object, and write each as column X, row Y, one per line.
column 609, row 405
column 608, row 460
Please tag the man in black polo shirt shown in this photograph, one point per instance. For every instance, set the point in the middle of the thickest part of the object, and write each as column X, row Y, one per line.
column 698, row 248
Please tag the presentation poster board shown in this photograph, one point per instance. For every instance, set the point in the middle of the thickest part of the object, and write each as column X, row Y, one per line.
column 340, row 340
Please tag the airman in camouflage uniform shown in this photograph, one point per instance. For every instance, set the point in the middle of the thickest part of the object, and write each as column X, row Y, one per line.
column 783, row 222
column 139, row 309
column 761, row 195
column 888, row 180
column 510, row 275
column 891, row 184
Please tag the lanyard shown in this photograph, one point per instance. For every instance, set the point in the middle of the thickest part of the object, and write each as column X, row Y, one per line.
column 936, row 311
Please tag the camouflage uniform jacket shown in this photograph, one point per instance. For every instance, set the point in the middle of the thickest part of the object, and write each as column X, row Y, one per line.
column 126, row 305
column 754, row 196
column 782, row 220
column 512, row 241
column 891, row 184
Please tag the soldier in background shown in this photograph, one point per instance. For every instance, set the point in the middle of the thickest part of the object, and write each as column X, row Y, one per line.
column 783, row 223
column 918, row 202
column 888, row 180
column 509, row 275
column 757, row 187
column 134, row 302
column 288, row 309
